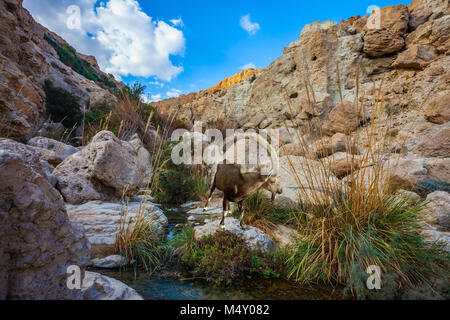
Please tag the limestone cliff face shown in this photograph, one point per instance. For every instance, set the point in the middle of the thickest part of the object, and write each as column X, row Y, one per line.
column 409, row 51
column 27, row 59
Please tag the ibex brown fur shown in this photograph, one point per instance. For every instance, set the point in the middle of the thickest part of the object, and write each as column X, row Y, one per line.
column 237, row 185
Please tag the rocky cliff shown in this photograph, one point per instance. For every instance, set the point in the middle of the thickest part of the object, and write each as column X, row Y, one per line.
column 408, row 51
column 29, row 55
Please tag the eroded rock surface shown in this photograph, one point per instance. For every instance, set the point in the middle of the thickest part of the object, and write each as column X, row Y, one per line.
column 37, row 240
column 106, row 169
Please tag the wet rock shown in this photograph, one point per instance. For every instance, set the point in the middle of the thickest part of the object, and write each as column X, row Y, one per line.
column 101, row 221
column 254, row 238
column 201, row 211
column 190, row 205
column 110, row 262
column 99, row 287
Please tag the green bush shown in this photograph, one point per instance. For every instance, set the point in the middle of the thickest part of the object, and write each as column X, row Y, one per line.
column 390, row 239
column 424, row 188
column 222, row 257
column 62, row 106
column 178, row 184
column 70, row 58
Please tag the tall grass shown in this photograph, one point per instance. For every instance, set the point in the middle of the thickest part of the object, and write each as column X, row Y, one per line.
column 359, row 222
column 138, row 239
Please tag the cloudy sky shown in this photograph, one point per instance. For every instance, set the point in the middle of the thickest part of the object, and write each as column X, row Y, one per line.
column 179, row 46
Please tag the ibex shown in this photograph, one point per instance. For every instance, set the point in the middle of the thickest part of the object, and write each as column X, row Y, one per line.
column 237, row 185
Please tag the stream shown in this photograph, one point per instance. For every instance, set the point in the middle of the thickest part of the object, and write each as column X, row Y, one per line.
column 170, row 287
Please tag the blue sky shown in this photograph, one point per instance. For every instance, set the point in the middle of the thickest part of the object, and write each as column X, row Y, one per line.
column 202, row 41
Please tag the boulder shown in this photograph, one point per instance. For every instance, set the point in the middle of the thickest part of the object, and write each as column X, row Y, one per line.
column 143, row 156
column 387, row 37
column 99, row 287
column 32, row 157
column 254, row 238
column 106, row 169
column 402, row 172
column 433, row 235
column 378, row 43
column 436, row 145
column 326, row 147
column 292, row 149
column 38, row 243
column 57, row 151
column 342, row 164
column 110, row 262
column 284, row 235
column 438, row 169
column 295, row 177
column 417, row 57
column 438, row 109
column 101, row 221
column 408, row 196
column 438, row 209
column 345, row 118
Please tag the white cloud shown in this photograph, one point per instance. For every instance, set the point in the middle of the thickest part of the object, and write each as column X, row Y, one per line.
column 145, row 98
column 156, row 83
column 250, row 65
column 125, row 40
column 177, row 22
column 173, row 93
column 156, row 97
column 248, row 25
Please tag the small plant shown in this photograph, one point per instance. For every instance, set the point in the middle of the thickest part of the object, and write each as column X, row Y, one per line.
column 424, row 188
column 261, row 213
column 222, row 257
column 178, row 184
column 139, row 242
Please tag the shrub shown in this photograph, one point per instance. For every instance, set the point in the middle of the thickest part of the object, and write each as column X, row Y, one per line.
column 424, row 188
column 346, row 226
column 222, row 257
column 70, row 58
column 62, row 106
column 139, row 242
column 178, row 184
column 261, row 213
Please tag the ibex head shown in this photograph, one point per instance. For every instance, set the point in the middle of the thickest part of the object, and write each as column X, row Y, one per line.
column 273, row 185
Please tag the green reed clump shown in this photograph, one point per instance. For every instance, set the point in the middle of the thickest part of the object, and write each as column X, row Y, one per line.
column 139, row 242
column 223, row 257
column 177, row 184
